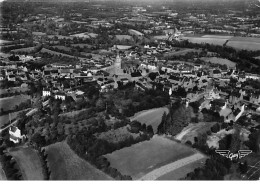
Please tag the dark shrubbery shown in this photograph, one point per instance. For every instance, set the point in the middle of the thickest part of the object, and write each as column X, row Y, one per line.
column 10, row 166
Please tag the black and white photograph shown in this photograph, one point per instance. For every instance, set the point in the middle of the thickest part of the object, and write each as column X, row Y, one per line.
column 129, row 90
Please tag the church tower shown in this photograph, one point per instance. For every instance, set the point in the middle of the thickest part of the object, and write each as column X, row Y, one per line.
column 117, row 65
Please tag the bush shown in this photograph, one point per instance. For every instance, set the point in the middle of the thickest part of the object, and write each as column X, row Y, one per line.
column 215, row 128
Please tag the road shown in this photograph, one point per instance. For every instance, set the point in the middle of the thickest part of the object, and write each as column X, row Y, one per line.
column 155, row 174
column 253, row 173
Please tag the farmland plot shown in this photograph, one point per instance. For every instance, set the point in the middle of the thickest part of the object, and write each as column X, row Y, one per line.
column 8, row 103
column 4, row 119
column 60, row 47
column 246, row 45
column 212, row 40
column 221, row 61
column 27, row 49
column 150, row 159
column 66, row 165
column 29, row 163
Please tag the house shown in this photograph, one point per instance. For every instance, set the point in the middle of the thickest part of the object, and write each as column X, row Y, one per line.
column 213, row 94
column 216, row 73
column 46, row 92
column 15, row 134
column 11, row 78
column 65, row 72
column 23, row 77
column 60, row 95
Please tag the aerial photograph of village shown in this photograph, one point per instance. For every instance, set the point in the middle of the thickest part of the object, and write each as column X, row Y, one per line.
column 139, row 90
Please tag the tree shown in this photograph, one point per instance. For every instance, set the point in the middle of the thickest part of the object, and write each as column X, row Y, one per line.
column 100, row 104
column 38, row 139
column 243, row 167
column 215, row 128
column 149, row 130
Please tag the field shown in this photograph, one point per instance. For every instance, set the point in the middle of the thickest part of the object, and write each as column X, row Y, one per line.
column 60, row 47
column 247, row 45
column 85, row 35
column 2, row 174
column 13, row 90
column 81, row 45
column 66, row 165
column 55, row 53
column 151, row 159
column 245, row 39
column 222, row 61
column 217, row 36
column 151, row 117
column 29, row 163
column 27, row 49
column 124, row 37
column 209, row 40
column 193, row 130
column 8, row 103
column 72, row 113
column 4, row 42
column 180, row 52
column 4, row 119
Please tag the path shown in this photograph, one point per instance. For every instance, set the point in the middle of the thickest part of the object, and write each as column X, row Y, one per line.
column 155, row 174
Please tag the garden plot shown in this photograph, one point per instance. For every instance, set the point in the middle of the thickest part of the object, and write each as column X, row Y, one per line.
column 64, row 164
column 144, row 159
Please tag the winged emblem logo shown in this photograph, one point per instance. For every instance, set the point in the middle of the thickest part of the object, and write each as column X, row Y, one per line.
column 233, row 156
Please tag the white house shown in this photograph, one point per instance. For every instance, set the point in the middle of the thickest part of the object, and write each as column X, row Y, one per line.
column 60, row 95
column 11, row 78
column 46, row 92
column 213, row 94
column 15, row 134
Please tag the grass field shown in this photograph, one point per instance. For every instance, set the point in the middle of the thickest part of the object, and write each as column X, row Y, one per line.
column 81, row 45
column 13, row 90
column 55, row 53
column 4, row 119
column 246, row 45
column 2, row 173
column 209, row 40
column 245, row 39
column 66, row 165
column 27, row 49
column 193, row 130
column 29, row 163
column 151, row 117
column 222, row 61
column 142, row 158
column 180, row 52
column 72, row 113
column 217, row 36
column 8, row 103
column 5, row 42
column 62, row 47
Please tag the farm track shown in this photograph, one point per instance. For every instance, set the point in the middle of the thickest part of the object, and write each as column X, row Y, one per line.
column 171, row 167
